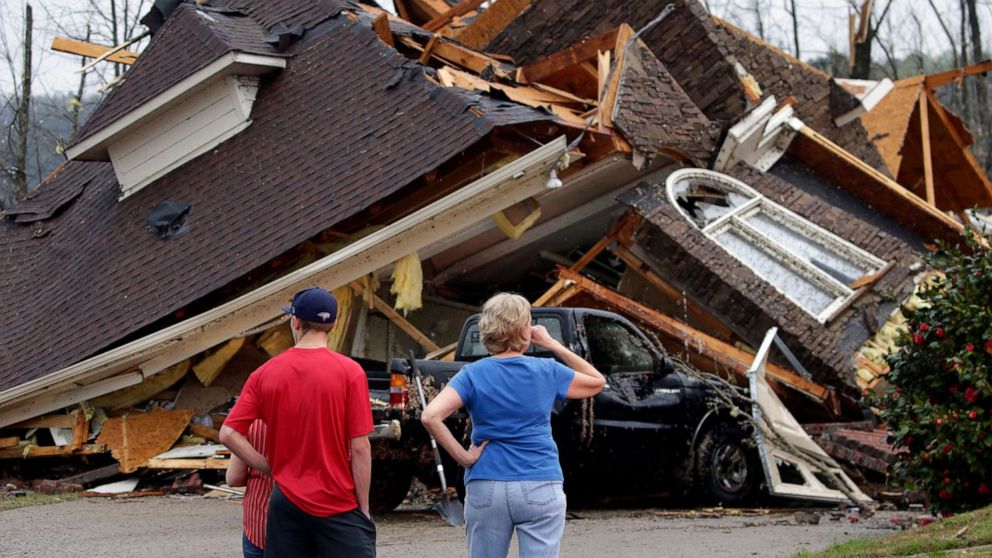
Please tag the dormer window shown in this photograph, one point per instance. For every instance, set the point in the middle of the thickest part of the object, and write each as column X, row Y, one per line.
column 808, row 264
column 181, row 123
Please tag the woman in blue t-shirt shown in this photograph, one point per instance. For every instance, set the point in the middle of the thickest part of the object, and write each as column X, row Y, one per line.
column 512, row 476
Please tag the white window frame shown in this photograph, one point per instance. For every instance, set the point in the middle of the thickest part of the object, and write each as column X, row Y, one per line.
column 735, row 220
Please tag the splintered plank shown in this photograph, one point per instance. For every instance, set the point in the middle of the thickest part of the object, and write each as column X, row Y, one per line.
column 50, row 451
column 9, row 441
column 381, row 27
column 483, row 29
column 134, row 439
column 90, row 50
column 927, row 159
column 458, row 10
column 585, row 51
column 208, row 463
column 426, row 342
column 854, row 175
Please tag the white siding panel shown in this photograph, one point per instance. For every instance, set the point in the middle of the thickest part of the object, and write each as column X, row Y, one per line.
column 175, row 117
column 181, row 133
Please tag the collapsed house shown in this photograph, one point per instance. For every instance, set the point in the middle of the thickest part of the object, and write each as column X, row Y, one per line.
column 709, row 185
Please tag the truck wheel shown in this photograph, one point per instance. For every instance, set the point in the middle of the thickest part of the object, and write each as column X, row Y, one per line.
column 727, row 465
column 390, row 485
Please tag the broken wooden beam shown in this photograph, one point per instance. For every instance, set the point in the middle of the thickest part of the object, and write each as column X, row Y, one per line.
column 208, row 463
column 867, row 183
column 711, row 348
column 584, row 51
column 50, row 421
column 91, row 50
column 491, row 22
column 51, row 451
column 927, row 158
column 381, row 27
column 940, row 79
column 458, row 10
column 694, row 311
column 426, row 342
column 9, row 441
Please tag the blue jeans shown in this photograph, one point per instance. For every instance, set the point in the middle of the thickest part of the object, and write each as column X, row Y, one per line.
column 249, row 548
column 535, row 509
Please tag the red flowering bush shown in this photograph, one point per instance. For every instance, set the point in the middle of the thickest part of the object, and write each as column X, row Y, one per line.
column 939, row 405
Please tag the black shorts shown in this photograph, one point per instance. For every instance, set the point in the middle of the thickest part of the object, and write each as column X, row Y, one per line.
column 293, row 533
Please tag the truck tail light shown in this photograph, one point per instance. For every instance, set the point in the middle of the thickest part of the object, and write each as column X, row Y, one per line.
column 397, row 391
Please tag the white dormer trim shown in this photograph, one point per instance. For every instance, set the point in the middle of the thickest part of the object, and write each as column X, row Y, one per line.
column 181, row 123
column 872, row 92
column 760, row 138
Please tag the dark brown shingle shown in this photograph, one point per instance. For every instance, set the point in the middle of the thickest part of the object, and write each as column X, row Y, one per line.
column 328, row 139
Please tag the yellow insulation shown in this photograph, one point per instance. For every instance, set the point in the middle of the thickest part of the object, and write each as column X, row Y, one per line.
column 408, row 283
column 338, row 335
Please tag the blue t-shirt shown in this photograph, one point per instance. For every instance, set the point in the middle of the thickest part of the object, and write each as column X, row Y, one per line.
column 510, row 401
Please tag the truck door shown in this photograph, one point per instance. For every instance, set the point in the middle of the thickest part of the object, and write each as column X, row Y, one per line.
column 639, row 415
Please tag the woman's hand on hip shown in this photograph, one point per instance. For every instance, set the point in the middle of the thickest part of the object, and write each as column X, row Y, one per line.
column 472, row 454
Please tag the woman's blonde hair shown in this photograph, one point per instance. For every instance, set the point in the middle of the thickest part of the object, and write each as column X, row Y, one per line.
column 504, row 323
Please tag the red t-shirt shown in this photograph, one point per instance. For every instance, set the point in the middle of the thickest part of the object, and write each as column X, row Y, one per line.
column 258, row 490
column 313, row 402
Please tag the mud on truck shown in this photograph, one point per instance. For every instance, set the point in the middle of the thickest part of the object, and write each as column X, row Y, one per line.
column 653, row 429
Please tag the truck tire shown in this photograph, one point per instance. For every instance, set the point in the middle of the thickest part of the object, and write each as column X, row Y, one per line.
column 727, row 465
column 390, row 484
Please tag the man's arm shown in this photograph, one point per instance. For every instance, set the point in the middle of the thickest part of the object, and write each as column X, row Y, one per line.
column 237, row 472
column 241, row 447
column 361, row 471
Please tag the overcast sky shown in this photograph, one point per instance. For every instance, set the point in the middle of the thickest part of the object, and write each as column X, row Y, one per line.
column 823, row 26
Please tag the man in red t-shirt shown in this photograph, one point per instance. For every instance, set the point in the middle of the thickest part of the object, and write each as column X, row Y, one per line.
column 315, row 405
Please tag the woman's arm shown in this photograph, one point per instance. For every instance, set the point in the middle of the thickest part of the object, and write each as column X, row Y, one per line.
column 447, row 402
column 237, row 472
column 587, row 381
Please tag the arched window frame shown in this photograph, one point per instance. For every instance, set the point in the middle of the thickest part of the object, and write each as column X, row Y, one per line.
column 736, row 222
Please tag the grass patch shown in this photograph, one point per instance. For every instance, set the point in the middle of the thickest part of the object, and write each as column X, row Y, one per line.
column 34, row 499
column 936, row 539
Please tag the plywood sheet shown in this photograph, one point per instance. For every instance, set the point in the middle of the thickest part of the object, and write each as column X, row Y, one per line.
column 887, row 124
column 135, row 438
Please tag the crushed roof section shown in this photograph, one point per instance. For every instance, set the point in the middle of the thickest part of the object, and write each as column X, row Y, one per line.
column 189, row 40
column 654, row 114
column 332, row 134
column 782, row 75
column 687, row 43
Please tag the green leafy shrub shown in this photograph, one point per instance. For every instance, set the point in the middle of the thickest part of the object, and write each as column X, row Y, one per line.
column 939, row 405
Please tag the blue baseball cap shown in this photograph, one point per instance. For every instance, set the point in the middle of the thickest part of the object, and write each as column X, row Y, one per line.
column 314, row 305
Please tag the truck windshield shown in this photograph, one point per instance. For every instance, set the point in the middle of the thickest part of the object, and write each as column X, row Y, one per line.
column 474, row 348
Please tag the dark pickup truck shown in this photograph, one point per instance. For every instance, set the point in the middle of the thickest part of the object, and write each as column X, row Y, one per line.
column 654, row 429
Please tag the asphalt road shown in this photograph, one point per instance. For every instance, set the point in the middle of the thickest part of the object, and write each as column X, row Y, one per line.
column 194, row 527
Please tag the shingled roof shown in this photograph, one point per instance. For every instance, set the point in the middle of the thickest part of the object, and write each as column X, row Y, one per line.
column 332, row 134
column 687, row 42
column 655, row 115
column 188, row 41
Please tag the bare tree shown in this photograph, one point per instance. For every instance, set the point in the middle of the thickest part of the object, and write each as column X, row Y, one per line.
column 790, row 8
column 15, row 159
column 867, row 32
